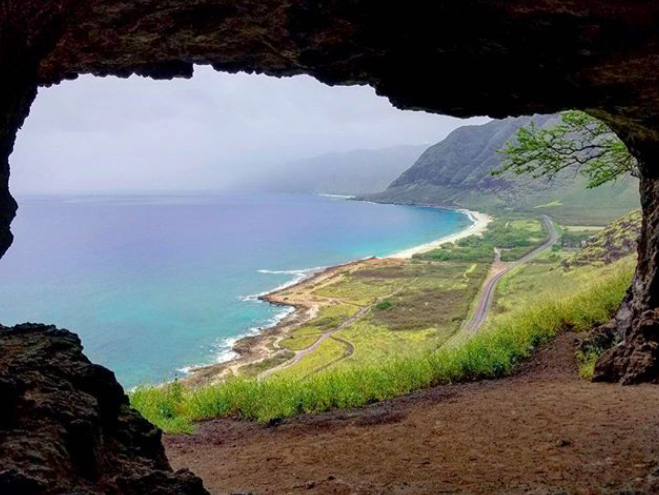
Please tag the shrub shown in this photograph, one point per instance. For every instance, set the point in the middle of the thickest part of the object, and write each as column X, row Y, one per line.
column 495, row 351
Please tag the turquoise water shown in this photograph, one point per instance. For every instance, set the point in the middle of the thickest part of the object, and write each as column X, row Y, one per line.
column 154, row 284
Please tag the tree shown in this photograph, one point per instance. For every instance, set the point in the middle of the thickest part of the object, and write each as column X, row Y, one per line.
column 579, row 142
column 591, row 148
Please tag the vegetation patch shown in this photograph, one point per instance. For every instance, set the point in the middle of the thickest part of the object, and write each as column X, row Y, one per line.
column 587, row 362
column 328, row 352
column 493, row 352
column 514, row 235
column 429, row 307
column 328, row 318
column 355, row 289
column 610, row 244
column 255, row 369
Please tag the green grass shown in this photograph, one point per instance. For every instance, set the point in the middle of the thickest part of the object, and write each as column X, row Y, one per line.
column 493, row 352
column 545, row 276
column 587, row 362
column 326, row 353
column 375, row 343
column 361, row 289
column 328, row 318
column 514, row 234
column 255, row 369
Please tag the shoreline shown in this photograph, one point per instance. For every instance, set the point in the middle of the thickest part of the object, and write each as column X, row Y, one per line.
column 254, row 348
column 480, row 221
column 262, row 344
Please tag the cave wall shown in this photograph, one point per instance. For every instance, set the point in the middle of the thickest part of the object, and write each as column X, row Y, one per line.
column 66, row 426
column 457, row 57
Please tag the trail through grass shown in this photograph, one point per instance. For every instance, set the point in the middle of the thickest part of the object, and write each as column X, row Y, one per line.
column 493, row 352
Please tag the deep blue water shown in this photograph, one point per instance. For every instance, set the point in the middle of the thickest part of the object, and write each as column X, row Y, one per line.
column 154, row 284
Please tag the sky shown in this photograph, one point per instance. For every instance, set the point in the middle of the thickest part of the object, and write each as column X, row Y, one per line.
column 215, row 131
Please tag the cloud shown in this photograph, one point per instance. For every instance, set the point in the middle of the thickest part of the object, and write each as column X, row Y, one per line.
column 211, row 132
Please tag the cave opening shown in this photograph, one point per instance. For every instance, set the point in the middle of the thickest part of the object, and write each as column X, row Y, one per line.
column 124, row 187
column 487, row 57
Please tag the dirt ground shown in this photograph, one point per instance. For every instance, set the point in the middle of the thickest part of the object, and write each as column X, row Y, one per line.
column 543, row 431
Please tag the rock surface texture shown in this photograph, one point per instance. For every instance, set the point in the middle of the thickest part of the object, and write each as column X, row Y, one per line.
column 458, row 57
column 66, row 427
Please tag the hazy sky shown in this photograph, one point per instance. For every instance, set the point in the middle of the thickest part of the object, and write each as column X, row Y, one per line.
column 211, row 132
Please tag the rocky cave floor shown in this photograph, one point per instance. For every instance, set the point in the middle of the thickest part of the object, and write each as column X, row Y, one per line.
column 542, row 431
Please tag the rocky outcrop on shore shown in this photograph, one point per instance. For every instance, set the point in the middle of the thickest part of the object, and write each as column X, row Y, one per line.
column 66, row 425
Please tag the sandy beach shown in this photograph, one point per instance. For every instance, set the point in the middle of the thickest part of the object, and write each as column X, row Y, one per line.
column 480, row 223
column 254, row 349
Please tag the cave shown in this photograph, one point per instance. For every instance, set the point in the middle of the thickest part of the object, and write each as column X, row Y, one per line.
column 458, row 57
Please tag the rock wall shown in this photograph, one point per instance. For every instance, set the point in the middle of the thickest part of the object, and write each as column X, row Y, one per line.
column 66, row 426
column 458, row 57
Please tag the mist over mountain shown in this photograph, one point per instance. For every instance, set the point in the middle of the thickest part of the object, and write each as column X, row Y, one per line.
column 350, row 173
column 457, row 172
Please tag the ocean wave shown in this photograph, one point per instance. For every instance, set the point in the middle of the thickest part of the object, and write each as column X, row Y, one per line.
column 336, row 196
column 292, row 272
column 224, row 348
column 298, row 276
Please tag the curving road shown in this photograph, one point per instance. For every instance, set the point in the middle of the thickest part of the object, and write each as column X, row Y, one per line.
column 304, row 352
column 350, row 349
column 487, row 294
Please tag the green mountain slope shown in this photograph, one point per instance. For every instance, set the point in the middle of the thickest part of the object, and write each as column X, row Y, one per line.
column 610, row 244
column 457, row 172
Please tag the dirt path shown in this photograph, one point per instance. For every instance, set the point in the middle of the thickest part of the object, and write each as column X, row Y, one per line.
column 487, row 293
column 350, row 350
column 299, row 355
column 543, row 431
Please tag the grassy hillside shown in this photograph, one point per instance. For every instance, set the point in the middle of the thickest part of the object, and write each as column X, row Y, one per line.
column 493, row 352
column 610, row 244
column 457, row 171
column 514, row 235
column 411, row 337
column 407, row 331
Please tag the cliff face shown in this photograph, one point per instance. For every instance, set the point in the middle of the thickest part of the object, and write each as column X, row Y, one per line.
column 465, row 159
column 66, row 427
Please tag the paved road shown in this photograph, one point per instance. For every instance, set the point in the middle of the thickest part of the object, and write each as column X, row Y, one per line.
column 350, row 350
column 487, row 294
column 304, row 352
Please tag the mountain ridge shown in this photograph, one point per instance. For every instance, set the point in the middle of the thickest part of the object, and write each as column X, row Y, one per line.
column 457, row 172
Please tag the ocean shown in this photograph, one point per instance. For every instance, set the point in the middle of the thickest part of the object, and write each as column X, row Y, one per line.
column 154, row 284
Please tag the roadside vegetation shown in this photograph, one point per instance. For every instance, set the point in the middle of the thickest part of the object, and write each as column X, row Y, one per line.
column 609, row 244
column 495, row 351
column 411, row 310
column 514, row 236
column 411, row 307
